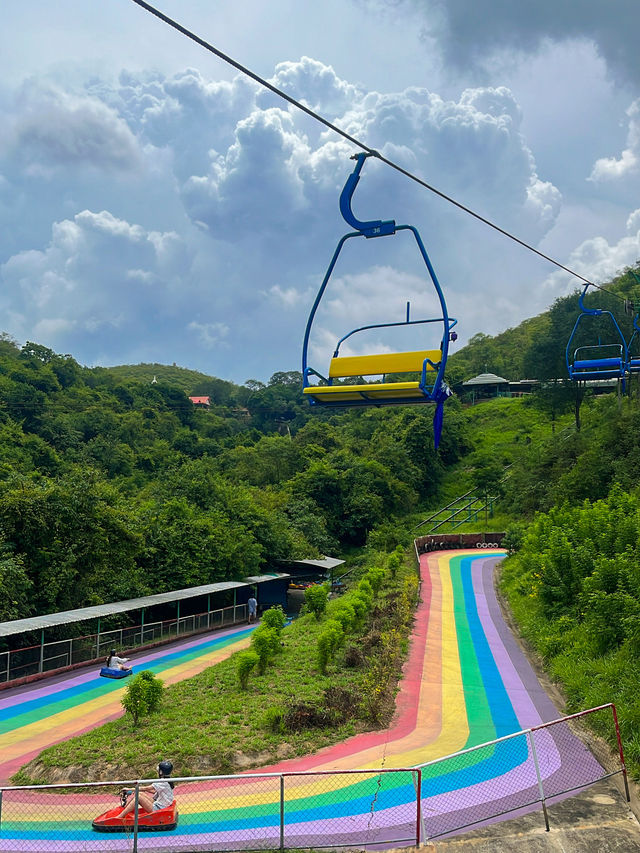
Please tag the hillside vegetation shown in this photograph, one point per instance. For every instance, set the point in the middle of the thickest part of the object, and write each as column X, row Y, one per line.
column 113, row 485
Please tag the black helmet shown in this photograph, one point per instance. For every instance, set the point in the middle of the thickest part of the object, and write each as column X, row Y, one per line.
column 113, row 651
column 165, row 768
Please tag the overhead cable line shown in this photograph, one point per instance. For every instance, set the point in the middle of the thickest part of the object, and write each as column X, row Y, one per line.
column 371, row 151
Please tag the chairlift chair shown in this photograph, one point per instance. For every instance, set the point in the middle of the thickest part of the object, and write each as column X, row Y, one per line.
column 600, row 360
column 387, row 390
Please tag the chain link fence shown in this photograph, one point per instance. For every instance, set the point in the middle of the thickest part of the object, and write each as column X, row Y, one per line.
column 520, row 772
column 314, row 809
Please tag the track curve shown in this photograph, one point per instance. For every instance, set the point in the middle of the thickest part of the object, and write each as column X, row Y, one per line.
column 466, row 682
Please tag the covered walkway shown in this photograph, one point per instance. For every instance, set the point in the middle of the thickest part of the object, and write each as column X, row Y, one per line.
column 158, row 619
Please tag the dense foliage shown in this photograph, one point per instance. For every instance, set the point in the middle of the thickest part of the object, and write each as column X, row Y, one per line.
column 574, row 586
column 113, row 484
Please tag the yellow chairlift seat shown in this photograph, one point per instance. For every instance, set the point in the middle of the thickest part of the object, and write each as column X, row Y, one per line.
column 425, row 384
column 380, row 364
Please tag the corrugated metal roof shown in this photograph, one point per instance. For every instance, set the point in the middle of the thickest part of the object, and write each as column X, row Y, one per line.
column 486, row 379
column 37, row 623
column 324, row 563
column 273, row 576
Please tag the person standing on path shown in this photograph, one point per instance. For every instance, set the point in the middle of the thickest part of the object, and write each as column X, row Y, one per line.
column 252, row 606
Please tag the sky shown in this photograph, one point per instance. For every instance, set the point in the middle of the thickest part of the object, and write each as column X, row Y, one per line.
column 156, row 205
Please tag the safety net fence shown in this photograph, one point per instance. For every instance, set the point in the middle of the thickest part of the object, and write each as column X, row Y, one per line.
column 391, row 807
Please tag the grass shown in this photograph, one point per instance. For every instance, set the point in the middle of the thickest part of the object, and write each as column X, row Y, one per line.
column 208, row 725
column 587, row 679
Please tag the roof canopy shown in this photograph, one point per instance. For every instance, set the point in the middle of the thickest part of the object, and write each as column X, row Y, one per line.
column 486, row 379
column 38, row 623
column 326, row 563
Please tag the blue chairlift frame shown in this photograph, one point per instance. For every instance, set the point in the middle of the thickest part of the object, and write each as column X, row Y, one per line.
column 583, row 364
column 432, row 390
column 633, row 362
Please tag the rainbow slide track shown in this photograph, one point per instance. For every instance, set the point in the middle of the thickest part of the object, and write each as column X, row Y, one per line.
column 466, row 682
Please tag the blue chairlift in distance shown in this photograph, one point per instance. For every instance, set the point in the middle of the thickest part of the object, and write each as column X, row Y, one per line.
column 600, row 360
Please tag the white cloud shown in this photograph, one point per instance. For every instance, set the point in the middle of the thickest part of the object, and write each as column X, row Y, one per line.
column 95, row 275
column 633, row 222
column 287, row 296
column 316, row 85
column 54, row 129
column 612, row 168
column 205, row 222
column 209, row 334
column 598, row 260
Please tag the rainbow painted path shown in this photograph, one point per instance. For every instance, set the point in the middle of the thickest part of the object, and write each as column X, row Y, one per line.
column 465, row 683
column 46, row 712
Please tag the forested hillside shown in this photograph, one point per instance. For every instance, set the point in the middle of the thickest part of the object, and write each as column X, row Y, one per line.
column 112, row 485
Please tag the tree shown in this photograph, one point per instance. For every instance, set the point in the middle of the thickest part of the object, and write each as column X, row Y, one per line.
column 315, row 599
column 15, row 586
column 246, row 662
column 265, row 642
column 143, row 695
column 329, row 641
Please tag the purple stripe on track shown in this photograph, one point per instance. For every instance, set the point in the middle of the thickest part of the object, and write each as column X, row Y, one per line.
column 543, row 704
column 564, row 761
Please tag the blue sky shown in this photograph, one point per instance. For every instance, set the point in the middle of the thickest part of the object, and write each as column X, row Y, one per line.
column 155, row 205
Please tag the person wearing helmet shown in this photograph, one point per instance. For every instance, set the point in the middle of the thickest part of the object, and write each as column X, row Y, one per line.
column 158, row 795
column 115, row 662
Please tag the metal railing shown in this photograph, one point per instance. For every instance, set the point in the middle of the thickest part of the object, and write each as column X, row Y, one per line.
column 523, row 771
column 61, row 654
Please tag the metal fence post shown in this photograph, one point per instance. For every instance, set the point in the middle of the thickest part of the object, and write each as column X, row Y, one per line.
column 540, row 787
column 41, row 664
column 417, row 781
column 0, row 806
column 620, row 752
column 135, row 818
column 282, row 812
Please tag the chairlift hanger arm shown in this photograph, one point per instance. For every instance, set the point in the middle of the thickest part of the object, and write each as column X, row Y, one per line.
column 430, row 363
column 371, row 227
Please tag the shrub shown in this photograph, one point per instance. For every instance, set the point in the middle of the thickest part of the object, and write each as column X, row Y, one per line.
column 273, row 719
column 375, row 576
column 514, row 537
column 360, row 606
column 315, row 598
column 366, row 590
column 266, row 644
column 274, row 617
column 246, row 662
column 346, row 616
column 393, row 564
column 143, row 695
column 328, row 642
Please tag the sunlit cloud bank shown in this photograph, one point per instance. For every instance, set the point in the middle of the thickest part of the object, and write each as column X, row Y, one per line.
column 180, row 218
